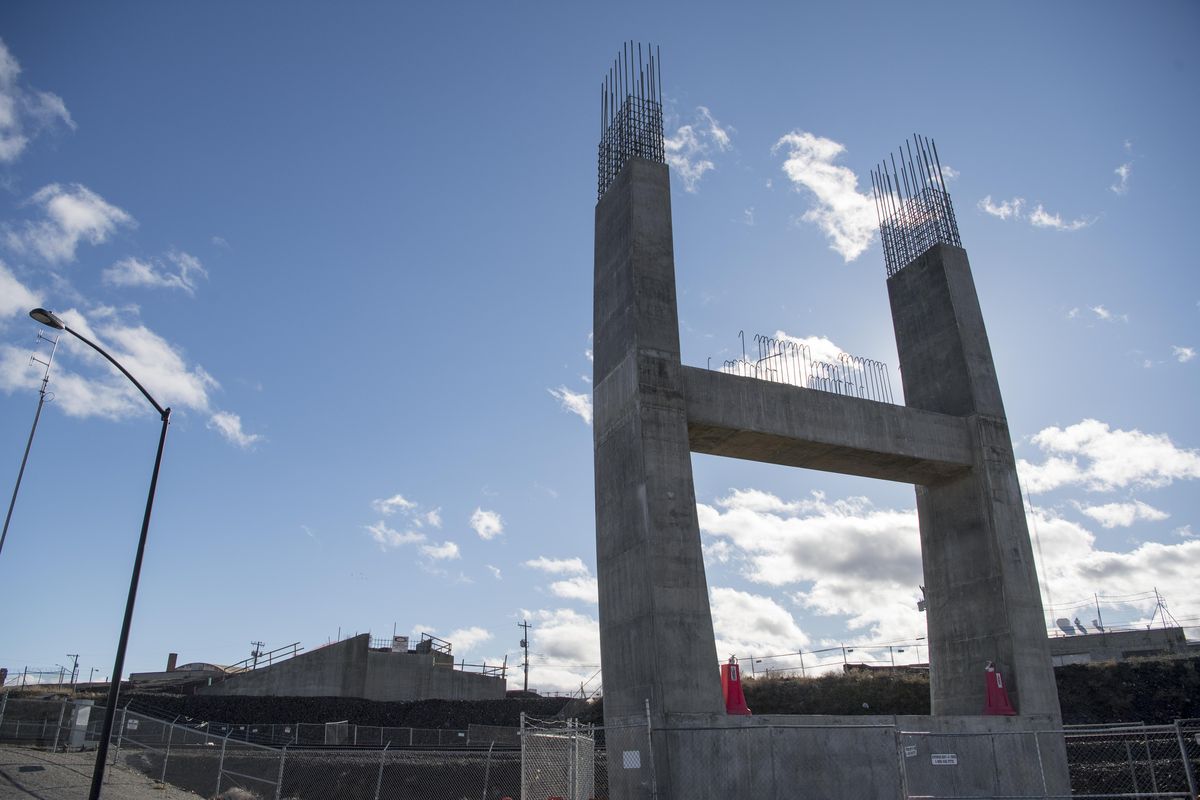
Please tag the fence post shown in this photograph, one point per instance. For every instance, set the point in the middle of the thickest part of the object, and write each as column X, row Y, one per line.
column 221, row 763
column 1187, row 762
column 62, row 710
column 279, row 778
column 903, row 762
column 650, row 751
column 167, row 755
column 410, row 739
column 120, row 733
column 487, row 772
column 3, row 705
column 1132, row 768
column 379, row 780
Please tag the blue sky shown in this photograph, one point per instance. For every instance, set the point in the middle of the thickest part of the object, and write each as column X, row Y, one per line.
column 351, row 247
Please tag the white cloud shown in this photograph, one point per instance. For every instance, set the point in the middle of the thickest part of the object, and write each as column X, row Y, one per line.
column 558, row 566
column 949, row 173
column 154, row 274
column 1182, row 354
column 467, row 639
column 576, row 402
column 820, row 348
column 565, row 648
column 494, row 570
column 73, row 213
column 1103, row 313
column 748, row 624
column 687, row 150
column 158, row 365
column 1039, row 218
column 1005, row 209
column 230, row 426
column 24, row 112
column 1072, row 568
column 15, row 298
column 580, row 587
column 487, row 524
column 390, row 505
column 434, row 518
column 844, row 558
column 1121, row 186
column 391, row 538
column 443, row 551
column 1099, row 458
column 845, row 215
column 1114, row 515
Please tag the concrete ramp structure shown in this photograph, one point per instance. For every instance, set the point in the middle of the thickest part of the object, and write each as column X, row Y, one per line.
column 950, row 440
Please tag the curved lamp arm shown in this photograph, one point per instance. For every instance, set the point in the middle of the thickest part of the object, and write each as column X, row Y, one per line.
column 52, row 320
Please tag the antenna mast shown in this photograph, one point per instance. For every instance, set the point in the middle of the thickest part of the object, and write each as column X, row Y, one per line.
column 38, row 415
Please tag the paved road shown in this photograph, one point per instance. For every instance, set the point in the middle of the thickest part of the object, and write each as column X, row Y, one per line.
column 27, row 774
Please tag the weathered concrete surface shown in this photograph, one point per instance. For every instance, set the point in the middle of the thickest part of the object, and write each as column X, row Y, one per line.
column 780, row 756
column 656, row 631
column 739, row 417
column 983, row 601
column 350, row 668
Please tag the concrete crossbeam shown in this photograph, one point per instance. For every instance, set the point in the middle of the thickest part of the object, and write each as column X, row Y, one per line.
column 756, row 420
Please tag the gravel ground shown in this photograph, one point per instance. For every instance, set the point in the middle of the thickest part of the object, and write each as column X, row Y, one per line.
column 40, row 775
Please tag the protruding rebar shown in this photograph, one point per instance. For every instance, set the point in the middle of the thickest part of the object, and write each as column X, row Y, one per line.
column 788, row 361
column 631, row 116
column 912, row 204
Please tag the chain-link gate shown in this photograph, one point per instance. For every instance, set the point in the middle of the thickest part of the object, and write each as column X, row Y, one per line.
column 558, row 759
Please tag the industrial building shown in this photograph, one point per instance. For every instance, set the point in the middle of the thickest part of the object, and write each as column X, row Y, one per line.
column 387, row 670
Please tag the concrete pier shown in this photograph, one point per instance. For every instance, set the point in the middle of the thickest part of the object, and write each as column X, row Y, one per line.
column 951, row 441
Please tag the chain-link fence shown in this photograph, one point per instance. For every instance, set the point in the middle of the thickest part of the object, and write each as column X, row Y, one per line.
column 562, row 759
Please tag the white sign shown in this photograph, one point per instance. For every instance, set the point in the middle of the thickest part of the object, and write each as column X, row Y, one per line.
column 910, row 750
column 132, row 725
column 631, row 759
column 944, row 759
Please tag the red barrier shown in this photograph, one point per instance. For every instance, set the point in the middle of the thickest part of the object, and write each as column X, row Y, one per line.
column 997, row 696
column 731, row 688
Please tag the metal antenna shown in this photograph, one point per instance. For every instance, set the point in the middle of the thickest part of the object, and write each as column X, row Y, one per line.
column 37, row 415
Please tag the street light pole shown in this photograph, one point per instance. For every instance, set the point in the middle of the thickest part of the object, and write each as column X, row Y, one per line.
column 110, row 712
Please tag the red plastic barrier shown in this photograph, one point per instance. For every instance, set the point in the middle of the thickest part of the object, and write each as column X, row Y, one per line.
column 731, row 688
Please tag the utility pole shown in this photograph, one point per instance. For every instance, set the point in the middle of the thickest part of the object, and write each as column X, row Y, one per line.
column 91, row 674
column 74, row 668
column 256, row 652
column 525, row 626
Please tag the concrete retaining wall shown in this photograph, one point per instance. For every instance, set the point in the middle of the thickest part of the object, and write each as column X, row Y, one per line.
column 351, row 669
column 779, row 756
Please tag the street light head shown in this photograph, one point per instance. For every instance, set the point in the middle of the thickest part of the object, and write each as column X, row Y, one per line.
column 47, row 318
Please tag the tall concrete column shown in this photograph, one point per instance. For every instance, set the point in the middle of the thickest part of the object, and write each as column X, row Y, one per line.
column 983, row 602
column 656, row 633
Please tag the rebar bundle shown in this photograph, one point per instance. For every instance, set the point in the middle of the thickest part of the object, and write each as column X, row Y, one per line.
column 912, row 204
column 791, row 362
column 631, row 124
